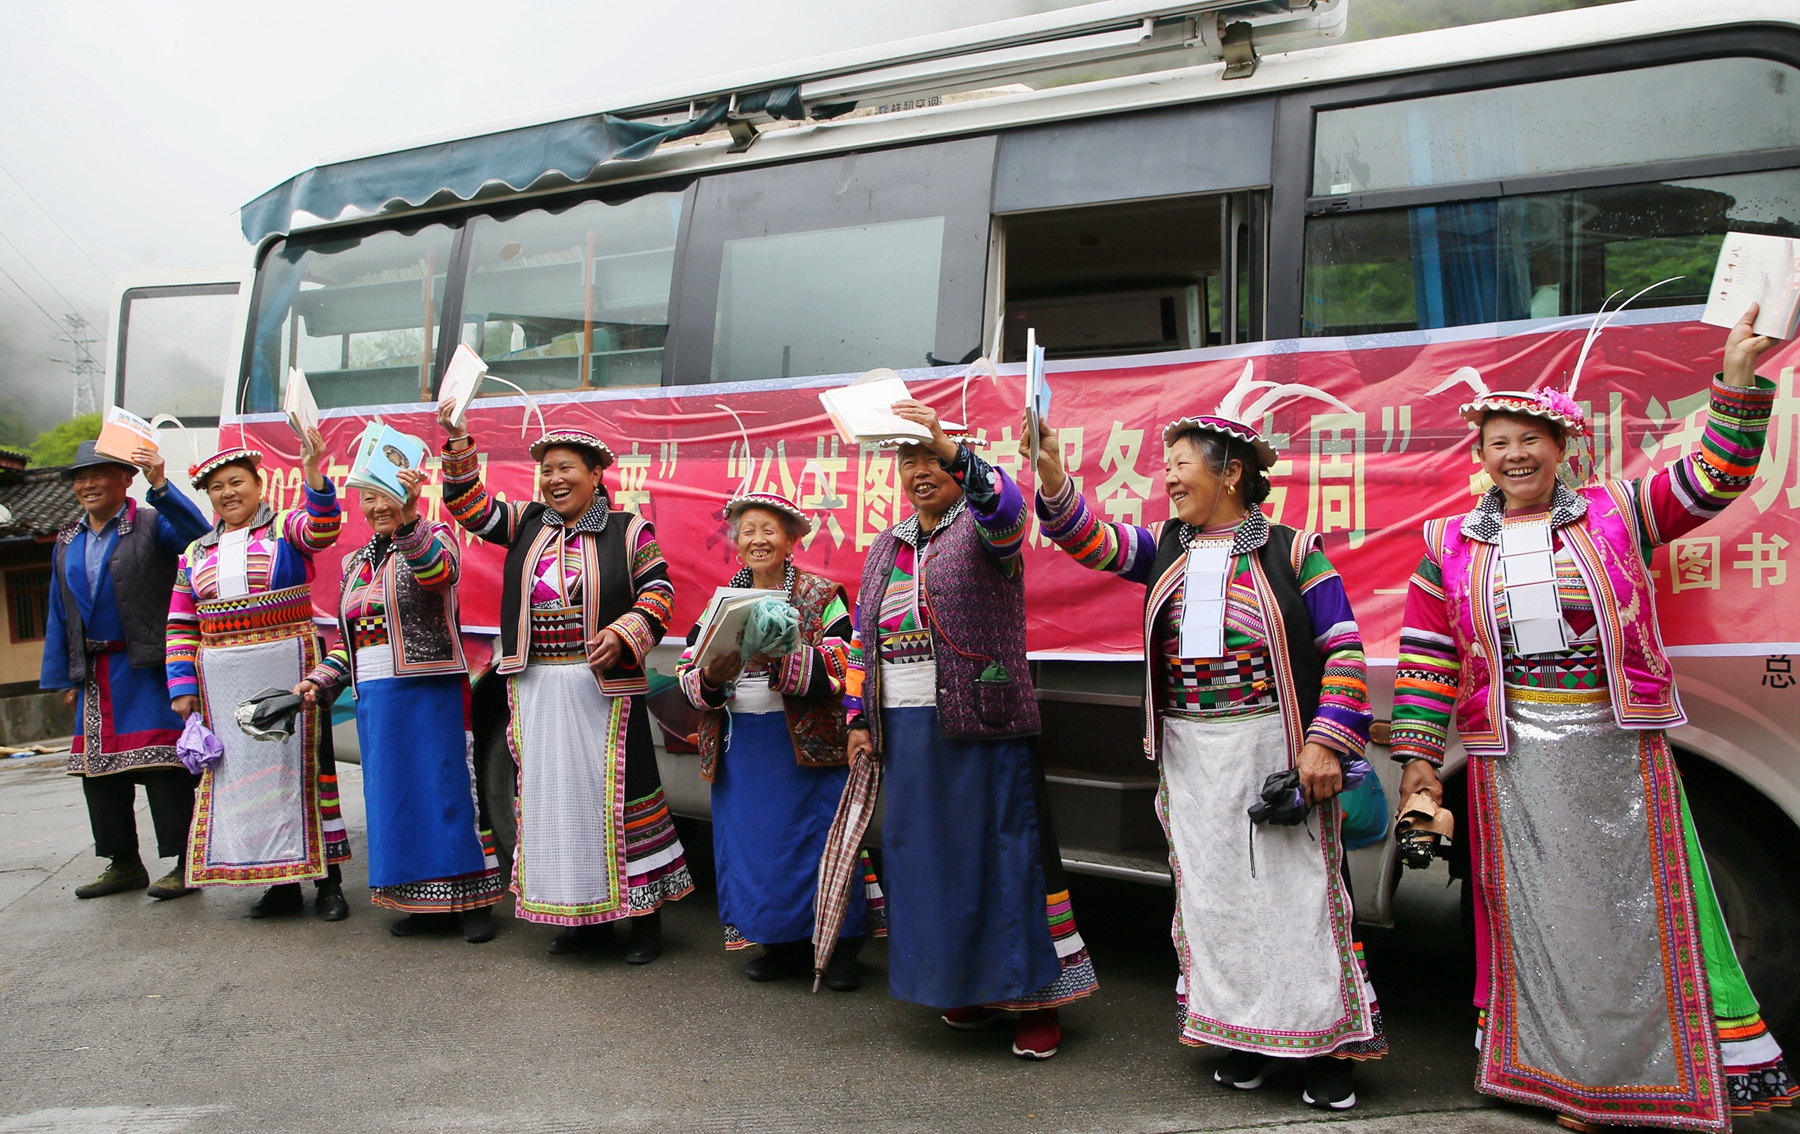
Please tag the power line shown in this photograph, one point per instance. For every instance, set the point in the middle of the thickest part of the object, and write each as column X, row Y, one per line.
column 49, row 318
column 52, row 220
column 38, row 270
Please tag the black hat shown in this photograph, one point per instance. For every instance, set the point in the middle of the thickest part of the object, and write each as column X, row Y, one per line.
column 86, row 458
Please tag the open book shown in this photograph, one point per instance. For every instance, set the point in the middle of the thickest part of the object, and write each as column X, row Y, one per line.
column 1756, row 269
column 461, row 379
column 302, row 411
column 381, row 453
column 1037, row 391
column 863, row 411
column 121, row 432
column 722, row 623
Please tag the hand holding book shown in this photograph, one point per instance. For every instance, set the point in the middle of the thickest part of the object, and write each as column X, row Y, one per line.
column 920, row 414
column 1742, row 348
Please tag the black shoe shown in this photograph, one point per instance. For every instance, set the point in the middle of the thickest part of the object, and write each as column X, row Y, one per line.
column 415, row 925
column 581, row 939
column 841, row 971
column 329, row 903
column 278, row 901
column 478, row 925
column 1328, row 1083
column 645, row 943
column 1244, row 1070
column 123, row 874
column 783, row 959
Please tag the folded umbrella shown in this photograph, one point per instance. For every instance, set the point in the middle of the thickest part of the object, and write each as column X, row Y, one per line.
column 839, row 865
column 269, row 714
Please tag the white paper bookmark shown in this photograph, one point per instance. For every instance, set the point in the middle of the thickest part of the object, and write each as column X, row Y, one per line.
column 1528, row 575
column 1203, row 600
column 234, row 564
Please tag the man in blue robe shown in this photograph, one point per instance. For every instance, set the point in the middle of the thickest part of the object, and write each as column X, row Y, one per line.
column 113, row 571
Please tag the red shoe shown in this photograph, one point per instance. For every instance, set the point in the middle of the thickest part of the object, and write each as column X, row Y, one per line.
column 1039, row 1035
column 971, row 1018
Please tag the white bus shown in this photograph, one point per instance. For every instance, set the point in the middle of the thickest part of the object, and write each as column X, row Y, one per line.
column 1144, row 183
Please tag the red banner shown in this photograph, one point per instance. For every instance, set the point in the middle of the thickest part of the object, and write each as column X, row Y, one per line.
column 1367, row 478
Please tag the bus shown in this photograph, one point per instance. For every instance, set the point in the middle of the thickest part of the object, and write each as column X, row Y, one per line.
column 1175, row 197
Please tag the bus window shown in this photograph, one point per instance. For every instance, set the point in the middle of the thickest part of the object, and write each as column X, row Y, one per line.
column 1117, row 279
column 360, row 316
column 576, row 298
column 1532, row 257
column 174, row 350
column 836, row 265
column 1678, row 111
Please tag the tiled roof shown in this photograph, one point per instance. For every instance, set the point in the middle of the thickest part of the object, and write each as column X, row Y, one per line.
column 38, row 502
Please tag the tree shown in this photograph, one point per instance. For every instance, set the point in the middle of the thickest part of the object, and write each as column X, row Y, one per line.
column 56, row 446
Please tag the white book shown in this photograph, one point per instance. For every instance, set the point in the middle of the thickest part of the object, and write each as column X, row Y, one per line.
column 461, row 379
column 1764, row 270
column 863, row 411
column 302, row 411
column 722, row 623
column 1037, row 391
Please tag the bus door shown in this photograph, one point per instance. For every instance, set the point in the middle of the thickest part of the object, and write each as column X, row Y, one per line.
column 171, row 351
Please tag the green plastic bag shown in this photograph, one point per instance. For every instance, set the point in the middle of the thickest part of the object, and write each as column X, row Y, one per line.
column 773, row 628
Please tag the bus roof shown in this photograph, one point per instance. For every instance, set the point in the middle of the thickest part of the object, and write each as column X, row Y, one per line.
column 662, row 133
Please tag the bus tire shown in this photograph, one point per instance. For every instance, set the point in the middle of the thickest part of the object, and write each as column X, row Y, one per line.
column 1753, row 856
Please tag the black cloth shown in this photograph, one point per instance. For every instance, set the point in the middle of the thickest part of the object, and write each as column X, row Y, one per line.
column 642, row 776
column 143, row 579
column 112, row 804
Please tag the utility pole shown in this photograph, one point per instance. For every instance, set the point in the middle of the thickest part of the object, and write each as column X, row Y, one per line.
column 83, row 364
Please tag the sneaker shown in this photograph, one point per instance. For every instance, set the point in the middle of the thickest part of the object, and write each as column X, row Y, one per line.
column 1328, row 1083
column 122, row 875
column 277, row 901
column 581, row 939
column 1244, row 1070
column 478, row 925
column 171, row 885
column 645, row 943
column 971, row 1018
column 1039, row 1034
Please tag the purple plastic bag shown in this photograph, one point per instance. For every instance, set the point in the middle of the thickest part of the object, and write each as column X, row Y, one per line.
column 198, row 748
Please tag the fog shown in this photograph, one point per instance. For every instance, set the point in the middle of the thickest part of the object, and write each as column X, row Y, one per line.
column 135, row 130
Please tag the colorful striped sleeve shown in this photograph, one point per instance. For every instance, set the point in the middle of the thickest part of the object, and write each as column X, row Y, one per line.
column 854, row 667
column 698, row 693
column 644, row 625
column 1427, row 673
column 430, row 552
column 315, row 527
column 182, row 636
column 1342, row 722
column 466, row 497
column 1690, row 491
column 1099, row 545
column 333, row 669
column 996, row 503
column 818, row 671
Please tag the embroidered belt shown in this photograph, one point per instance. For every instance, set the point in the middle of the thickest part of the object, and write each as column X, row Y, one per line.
column 556, row 635
column 1557, row 696
column 96, row 646
column 257, row 617
column 369, row 630
column 1235, row 684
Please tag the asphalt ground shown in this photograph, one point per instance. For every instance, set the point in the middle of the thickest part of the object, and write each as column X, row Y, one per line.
column 126, row 1015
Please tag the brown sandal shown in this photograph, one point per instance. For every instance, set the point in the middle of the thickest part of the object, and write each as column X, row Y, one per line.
column 1422, row 829
column 1568, row 1123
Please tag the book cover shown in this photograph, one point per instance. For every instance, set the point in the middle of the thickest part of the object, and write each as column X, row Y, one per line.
column 863, row 411
column 301, row 409
column 461, row 379
column 1764, row 270
column 381, row 453
column 121, row 432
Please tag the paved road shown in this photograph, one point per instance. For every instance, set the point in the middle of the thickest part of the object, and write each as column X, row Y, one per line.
column 123, row 1015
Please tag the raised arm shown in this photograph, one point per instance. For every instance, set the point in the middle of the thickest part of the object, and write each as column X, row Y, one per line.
column 430, row 552
column 314, row 527
column 994, row 501
column 466, row 497
column 178, row 521
column 1099, row 545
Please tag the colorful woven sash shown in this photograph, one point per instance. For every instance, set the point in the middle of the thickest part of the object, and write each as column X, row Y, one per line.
column 556, row 635
column 253, row 618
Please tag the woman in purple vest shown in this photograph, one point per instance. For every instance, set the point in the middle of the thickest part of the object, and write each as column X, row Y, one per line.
column 1254, row 669
column 1609, row 989
column 772, row 746
column 979, row 920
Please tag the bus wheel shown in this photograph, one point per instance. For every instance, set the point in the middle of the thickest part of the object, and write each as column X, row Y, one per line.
column 1753, row 856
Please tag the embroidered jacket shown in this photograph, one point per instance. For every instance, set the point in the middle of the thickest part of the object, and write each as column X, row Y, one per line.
column 280, row 556
column 399, row 593
column 611, row 558
column 1454, row 637
column 1254, row 622
column 810, row 680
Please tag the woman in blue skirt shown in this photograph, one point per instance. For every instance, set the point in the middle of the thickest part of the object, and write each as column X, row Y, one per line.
column 772, row 746
column 398, row 645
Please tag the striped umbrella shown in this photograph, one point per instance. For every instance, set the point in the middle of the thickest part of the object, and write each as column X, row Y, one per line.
column 839, row 866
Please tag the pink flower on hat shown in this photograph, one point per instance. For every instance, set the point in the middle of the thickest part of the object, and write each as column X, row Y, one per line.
column 1563, row 406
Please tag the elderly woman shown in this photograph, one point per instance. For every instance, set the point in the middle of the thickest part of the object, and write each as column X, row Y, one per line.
column 585, row 596
column 1609, row 988
column 772, row 746
column 979, row 921
column 400, row 647
column 240, row 621
column 1255, row 668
